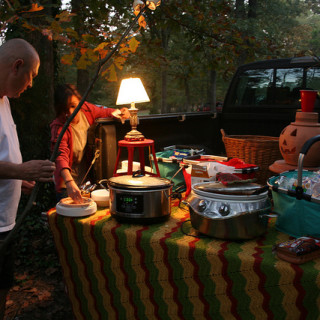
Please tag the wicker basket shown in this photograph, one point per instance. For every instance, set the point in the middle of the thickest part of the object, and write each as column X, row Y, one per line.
column 259, row 150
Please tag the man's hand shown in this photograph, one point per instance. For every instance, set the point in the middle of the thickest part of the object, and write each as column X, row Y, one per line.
column 38, row 170
column 27, row 186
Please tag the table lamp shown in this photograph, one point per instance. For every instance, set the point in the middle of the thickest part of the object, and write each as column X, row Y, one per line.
column 131, row 92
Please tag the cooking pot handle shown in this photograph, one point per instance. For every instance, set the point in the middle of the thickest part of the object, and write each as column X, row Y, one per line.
column 260, row 190
column 137, row 174
column 101, row 183
column 269, row 215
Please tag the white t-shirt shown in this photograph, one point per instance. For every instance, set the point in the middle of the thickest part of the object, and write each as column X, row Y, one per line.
column 10, row 190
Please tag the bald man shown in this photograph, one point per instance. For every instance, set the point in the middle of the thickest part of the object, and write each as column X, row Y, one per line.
column 19, row 64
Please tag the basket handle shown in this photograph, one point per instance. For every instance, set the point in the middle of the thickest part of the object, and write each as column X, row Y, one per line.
column 223, row 134
column 305, row 148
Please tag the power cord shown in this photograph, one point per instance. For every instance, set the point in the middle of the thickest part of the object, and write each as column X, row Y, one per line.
column 199, row 235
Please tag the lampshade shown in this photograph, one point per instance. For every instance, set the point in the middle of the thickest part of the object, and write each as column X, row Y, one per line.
column 132, row 91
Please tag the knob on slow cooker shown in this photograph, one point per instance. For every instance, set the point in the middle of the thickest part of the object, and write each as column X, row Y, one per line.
column 202, row 205
column 224, row 209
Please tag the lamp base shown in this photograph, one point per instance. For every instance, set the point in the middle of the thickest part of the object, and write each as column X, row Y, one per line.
column 134, row 135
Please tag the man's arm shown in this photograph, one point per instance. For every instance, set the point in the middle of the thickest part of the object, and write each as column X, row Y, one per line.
column 34, row 170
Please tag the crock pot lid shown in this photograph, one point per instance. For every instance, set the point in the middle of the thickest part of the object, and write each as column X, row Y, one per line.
column 233, row 189
column 139, row 181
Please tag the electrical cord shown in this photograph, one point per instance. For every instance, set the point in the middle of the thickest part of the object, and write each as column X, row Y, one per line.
column 199, row 236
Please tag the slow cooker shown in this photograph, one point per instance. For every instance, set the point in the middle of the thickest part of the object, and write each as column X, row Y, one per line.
column 232, row 213
column 140, row 199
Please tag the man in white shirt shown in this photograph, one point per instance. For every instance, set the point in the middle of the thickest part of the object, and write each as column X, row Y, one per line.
column 19, row 64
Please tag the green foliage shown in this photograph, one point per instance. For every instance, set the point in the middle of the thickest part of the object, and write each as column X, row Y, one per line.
column 35, row 246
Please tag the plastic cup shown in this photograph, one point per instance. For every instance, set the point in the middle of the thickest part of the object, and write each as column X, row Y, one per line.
column 308, row 98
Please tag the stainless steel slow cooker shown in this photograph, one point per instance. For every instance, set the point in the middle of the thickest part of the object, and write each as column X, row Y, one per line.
column 237, row 212
column 140, row 199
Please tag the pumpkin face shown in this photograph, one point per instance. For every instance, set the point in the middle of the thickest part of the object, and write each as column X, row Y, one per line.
column 294, row 136
column 288, row 147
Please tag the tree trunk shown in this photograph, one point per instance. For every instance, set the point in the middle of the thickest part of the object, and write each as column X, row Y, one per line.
column 252, row 12
column 164, row 107
column 165, row 40
column 240, row 11
column 45, row 80
column 212, row 89
column 240, row 14
column 83, row 76
column 33, row 111
column 187, row 93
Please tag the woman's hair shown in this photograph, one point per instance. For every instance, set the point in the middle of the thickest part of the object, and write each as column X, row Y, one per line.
column 62, row 94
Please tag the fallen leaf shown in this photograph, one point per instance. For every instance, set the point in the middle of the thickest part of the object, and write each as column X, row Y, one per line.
column 32, row 290
column 21, row 277
column 44, row 295
column 9, row 303
column 50, row 271
column 15, row 288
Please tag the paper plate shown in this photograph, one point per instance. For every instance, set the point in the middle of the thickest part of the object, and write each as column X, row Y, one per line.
column 66, row 207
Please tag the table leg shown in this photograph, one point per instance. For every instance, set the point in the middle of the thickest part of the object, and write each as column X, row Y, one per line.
column 117, row 163
column 155, row 161
column 130, row 159
column 141, row 155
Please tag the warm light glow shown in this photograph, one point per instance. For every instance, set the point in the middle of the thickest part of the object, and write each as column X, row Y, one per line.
column 132, row 91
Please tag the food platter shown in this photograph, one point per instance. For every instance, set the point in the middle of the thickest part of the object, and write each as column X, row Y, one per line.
column 67, row 207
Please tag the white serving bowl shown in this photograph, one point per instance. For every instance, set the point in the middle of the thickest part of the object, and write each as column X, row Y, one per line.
column 101, row 197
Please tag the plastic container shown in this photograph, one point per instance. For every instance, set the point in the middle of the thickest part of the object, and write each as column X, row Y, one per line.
column 298, row 212
column 169, row 163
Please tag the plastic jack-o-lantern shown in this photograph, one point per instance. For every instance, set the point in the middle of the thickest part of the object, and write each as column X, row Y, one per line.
column 293, row 137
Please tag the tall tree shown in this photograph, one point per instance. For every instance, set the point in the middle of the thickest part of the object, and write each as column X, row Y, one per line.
column 34, row 110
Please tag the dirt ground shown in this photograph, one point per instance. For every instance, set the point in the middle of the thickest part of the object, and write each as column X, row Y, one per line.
column 39, row 290
column 38, row 296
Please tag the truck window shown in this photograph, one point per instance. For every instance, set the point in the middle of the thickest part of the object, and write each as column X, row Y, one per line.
column 272, row 85
column 313, row 78
column 288, row 83
column 252, row 87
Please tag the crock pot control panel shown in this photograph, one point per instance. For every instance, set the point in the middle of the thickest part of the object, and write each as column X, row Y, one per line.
column 129, row 203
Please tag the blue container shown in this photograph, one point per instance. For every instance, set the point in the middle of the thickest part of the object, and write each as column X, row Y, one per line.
column 169, row 168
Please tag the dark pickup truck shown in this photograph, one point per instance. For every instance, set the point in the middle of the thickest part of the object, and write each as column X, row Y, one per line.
column 262, row 99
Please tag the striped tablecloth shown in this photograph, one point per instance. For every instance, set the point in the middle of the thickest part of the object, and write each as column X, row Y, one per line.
column 125, row 271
